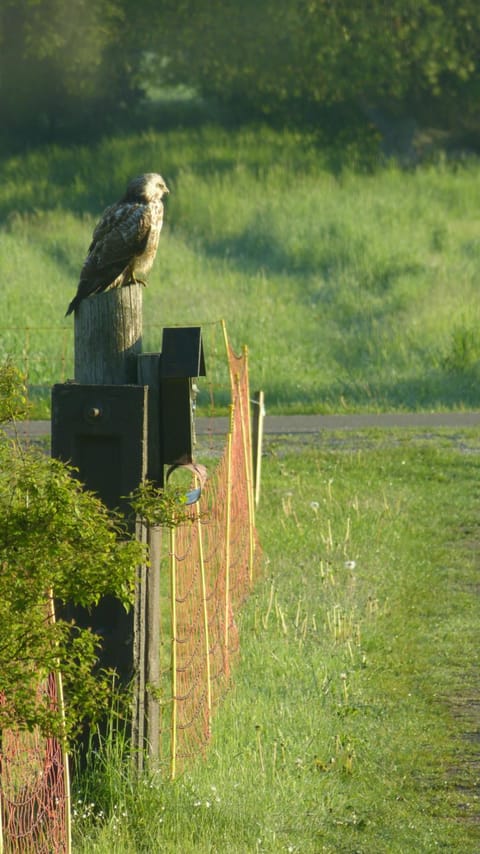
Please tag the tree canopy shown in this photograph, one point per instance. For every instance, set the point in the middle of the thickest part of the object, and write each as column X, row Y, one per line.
column 81, row 64
column 273, row 53
column 65, row 65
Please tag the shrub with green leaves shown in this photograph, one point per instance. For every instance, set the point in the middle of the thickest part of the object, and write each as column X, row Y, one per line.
column 56, row 540
column 13, row 393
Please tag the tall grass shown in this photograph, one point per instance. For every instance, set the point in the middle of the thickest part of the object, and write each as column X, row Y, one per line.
column 339, row 734
column 351, row 285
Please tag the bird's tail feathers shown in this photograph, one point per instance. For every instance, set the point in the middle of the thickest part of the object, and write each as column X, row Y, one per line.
column 73, row 306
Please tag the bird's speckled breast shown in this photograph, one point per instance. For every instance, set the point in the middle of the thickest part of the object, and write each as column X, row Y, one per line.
column 144, row 261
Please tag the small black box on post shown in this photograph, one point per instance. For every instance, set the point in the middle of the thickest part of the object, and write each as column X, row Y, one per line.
column 182, row 360
column 101, row 430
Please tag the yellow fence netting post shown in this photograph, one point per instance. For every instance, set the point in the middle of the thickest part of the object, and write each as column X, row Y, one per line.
column 248, row 463
column 173, row 595
column 205, row 616
column 64, row 753
column 228, row 512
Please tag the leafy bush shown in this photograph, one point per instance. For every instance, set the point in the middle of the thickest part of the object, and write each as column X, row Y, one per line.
column 55, row 540
column 13, row 393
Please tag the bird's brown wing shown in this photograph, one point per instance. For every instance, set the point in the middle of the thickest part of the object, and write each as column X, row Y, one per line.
column 121, row 234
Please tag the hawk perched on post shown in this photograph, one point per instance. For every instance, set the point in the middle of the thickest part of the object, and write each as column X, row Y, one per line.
column 125, row 241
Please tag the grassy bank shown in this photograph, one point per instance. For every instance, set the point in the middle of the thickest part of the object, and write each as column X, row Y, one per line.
column 346, row 729
column 355, row 287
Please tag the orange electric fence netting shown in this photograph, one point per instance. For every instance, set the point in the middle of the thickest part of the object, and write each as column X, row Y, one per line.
column 44, row 355
column 211, row 563
column 34, row 789
column 213, row 559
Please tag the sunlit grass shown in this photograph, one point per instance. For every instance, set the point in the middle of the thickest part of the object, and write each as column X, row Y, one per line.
column 338, row 734
column 352, row 287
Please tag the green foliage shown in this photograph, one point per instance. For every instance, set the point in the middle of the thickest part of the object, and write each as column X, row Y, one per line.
column 87, row 67
column 160, row 506
column 66, row 68
column 55, row 540
column 13, row 393
column 293, row 55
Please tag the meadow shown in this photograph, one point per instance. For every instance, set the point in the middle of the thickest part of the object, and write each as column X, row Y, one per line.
column 353, row 283
column 349, row 726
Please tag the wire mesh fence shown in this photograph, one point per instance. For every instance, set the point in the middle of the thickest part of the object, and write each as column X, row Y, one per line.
column 213, row 560
column 34, row 788
column 44, row 354
column 209, row 564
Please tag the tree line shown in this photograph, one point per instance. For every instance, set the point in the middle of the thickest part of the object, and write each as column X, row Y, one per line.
column 81, row 66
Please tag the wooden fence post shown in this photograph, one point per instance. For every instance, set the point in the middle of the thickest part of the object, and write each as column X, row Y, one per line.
column 100, row 425
column 108, row 337
column 124, row 417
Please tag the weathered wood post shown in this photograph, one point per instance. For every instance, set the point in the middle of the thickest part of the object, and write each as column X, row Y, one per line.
column 108, row 337
column 125, row 416
column 99, row 424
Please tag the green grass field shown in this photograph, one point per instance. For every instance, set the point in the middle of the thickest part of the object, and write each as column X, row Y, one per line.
column 354, row 287
column 349, row 726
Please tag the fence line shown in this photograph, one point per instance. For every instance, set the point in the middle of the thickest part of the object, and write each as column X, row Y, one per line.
column 213, row 560
column 34, row 790
column 44, row 354
column 35, row 814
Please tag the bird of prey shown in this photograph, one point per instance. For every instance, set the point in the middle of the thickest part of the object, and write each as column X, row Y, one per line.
column 125, row 241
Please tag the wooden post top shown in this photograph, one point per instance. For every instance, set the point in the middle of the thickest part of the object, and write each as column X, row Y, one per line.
column 108, row 337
